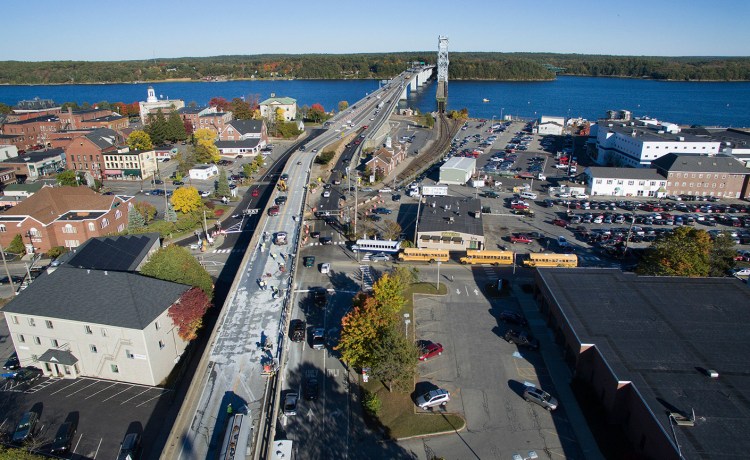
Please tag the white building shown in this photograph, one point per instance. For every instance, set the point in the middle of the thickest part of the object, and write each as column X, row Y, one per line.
column 638, row 143
column 603, row 181
column 8, row 151
column 152, row 104
column 131, row 164
column 551, row 126
column 457, row 170
column 287, row 105
column 203, row 172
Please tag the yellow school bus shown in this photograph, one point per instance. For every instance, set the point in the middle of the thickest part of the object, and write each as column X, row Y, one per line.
column 488, row 257
column 551, row 260
column 424, row 255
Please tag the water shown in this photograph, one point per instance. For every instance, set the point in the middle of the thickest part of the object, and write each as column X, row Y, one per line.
column 709, row 104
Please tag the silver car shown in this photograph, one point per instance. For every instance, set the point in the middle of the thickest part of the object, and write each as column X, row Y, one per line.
column 433, row 398
column 538, row 396
column 380, row 257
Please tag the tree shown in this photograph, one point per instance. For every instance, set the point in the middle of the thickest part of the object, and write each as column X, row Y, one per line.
column 13, row 453
column 186, row 160
column 221, row 104
column 176, row 127
column 343, row 105
column 222, row 184
column 157, row 127
column 427, row 120
column 16, row 245
column 388, row 292
column 241, row 110
column 140, row 140
column 5, row 109
column 205, row 150
column 175, row 263
column 146, row 210
column 170, row 215
column 392, row 230
column 394, row 358
column 360, row 329
column 721, row 258
column 187, row 313
column 685, row 252
column 186, row 199
column 136, row 221
column 316, row 113
column 67, row 178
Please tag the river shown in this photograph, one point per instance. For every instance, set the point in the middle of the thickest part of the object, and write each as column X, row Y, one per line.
column 691, row 103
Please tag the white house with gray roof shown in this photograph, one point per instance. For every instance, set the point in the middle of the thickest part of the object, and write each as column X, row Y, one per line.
column 602, row 181
column 287, row 105
column 113, row 325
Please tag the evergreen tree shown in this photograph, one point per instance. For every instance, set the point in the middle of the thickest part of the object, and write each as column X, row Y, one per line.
column 16, row 245
column 222, row 186
column 170, row 215
column 176, row 128
column 157, row 128
column 136, row 221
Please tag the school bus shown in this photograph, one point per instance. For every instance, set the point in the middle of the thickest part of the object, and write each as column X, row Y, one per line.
column 551, row 260
column 488, row 257
column 424, row 255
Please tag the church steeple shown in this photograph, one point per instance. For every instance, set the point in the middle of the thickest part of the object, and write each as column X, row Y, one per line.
column 151, row 95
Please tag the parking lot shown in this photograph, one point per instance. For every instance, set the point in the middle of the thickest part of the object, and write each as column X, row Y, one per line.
column 105, row 411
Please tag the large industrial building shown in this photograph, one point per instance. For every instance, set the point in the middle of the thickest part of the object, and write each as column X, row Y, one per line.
column 452, row 223
column 457, row 170
column 664, row 357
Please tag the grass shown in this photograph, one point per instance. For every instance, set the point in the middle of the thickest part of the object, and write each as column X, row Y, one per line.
column 398, row 414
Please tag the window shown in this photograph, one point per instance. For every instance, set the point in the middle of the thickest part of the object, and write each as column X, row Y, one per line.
column 157, row 325
column 3, row 229
column 48, row 323
column 104, row 332
column 115, row 369
column 34, row 232
column 37, row 340
column 93, row 348
column 161, row 345
column 55, row 343
column 69, row 229
column 118, row 214
column 88, row 329
column 21, row 338
column 598, row 181
column 129, row 354
column 32, row 323
column 14, row 318
column 631, row 182
column 609, row 181
column 92, row 227
column 105, row 222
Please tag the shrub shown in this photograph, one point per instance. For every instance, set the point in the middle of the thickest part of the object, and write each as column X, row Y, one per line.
column 16, row 245
column 218, row 212
column 56, row 252
column 324, row 158
column 372, row 403
column 209, row 204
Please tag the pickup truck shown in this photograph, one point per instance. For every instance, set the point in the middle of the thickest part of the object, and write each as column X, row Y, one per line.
column 520, row 239
column 519, row 205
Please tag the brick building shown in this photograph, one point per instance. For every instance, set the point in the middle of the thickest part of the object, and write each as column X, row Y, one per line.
column 63, row 216
column 32, row 133
column 384, row 161
column 703, row 175
column 86, row 151
column 241, row 130
column 92, row 119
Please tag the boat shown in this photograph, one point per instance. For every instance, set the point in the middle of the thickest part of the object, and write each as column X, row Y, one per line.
column 485, row 100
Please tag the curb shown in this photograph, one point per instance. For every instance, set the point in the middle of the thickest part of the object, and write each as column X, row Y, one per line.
column 441, row 433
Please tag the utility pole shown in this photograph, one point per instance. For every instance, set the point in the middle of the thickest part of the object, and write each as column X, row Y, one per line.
column 437, row 282
column 416, row 221
column 7, row 271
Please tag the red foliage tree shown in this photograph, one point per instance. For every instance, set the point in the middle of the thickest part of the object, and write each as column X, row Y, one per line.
column 220, row 103
column 187, row 313
column 188, row 127
column 253, row 101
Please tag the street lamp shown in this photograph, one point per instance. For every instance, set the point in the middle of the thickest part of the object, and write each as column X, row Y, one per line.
column 407, row 321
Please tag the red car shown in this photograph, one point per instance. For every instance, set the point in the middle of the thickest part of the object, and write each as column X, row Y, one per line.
column 255, row 192
column 520, row 239
column 520, row 205
column 431, row 349
column 560, row 223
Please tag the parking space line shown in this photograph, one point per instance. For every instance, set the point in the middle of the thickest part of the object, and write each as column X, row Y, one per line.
column 144, row 391
column 103, row 389
column 97, row 447
column 150, row 399
column 74, row 382
column 79, row 441
column 123, row 391
column 87, row 386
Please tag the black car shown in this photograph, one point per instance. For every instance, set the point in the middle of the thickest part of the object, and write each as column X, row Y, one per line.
column 177, row 182
column 12, row 363
column 396, row 197
column 508, row 316
column 297, row 330
column 280, row 200
column 27, row 373
column 522, row 339
column 320, row 296
column 130, row 448
column 326, row 240
column 26, row 427
column 315, row 234
column 311, row 388
column 63, row 438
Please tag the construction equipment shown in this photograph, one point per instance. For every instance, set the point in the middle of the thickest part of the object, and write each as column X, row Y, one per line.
column 281, row 185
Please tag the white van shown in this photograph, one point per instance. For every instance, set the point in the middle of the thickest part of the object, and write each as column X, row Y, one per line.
column 529, row 195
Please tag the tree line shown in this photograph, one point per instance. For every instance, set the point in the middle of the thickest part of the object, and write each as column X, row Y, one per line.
column 464, row 66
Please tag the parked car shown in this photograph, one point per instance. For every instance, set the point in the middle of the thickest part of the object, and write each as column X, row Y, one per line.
column 297, row 330
column 63, row 438
column 560, row 223
column 318, row 339
column 178, row 182
column 382, row 211
column 315, row 234
column 325, row 268
column 521, row 338
column 541, row 397
column 12, row 362
column 521, row 239
column 26, row 427
column 22, row 375
column 130, row 447
column 429, row 350
column 309, row 261
column 290, row 403
column 380, row 257
column 433, row 398
column 508, row 316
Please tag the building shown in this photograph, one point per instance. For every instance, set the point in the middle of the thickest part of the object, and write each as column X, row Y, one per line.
column 8, row 151
column 215, row 121
column 16, row 193
column 287, row 105
column 7, row 177
column 191, row 115
column 644, row 349
column 235, row 148
column 447, row 222
column 63, row 216
column 87, row 150
column 95, row 316
column 457, row 170
column 605, row 181
column 734, row 142
column 241, row 130
column 203, row 172
column 92, row 119
column 550, row 126
column 32, row 165
column 152, row 105
column 385, row 160
column 637, row 143
column 692, row 174
column 30, row 133
column 33, row 108
column 126, row 164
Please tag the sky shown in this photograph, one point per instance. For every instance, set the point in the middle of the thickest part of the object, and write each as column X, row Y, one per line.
column 41, row 30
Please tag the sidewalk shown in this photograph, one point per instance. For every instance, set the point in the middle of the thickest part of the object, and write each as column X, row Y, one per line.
column 559, row 373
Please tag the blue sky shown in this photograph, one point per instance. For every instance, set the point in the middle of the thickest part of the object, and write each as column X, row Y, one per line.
column 40, row 30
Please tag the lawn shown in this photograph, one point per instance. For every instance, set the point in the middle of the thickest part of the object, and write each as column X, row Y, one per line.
column 398, row 413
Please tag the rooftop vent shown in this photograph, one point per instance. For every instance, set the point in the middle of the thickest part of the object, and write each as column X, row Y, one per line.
column 681, row 138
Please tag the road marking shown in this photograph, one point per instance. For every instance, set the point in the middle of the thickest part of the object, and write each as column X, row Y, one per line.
column 310, row 414
column 75, row 382
column 144, row 391
column 103, row 389
column 79, row 441
column 467, row 289
column 87, row 386
column 476, row 292
column 148, row 400
column 458, row 291
column 123, row 391
column 97, row 447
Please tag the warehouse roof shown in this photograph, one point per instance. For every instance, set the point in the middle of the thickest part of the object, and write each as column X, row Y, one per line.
column 693, row 162
column 451, row 214
column 463, row 163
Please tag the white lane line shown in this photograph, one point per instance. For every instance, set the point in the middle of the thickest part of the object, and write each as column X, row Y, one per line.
column 148, row 400
column 105, row 388
column 144, row 391
column 75, row 382
column 79, row 441
column 123, row 391
column 81, row 389
column 97, row 447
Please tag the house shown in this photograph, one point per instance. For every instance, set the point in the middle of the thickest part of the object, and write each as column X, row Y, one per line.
column 603, row 181
column 95, row 316
column 271, row 107
column 203, row 172
column 152, row 105
column 693, row 174
column 660, row 357
column 16, row 193
column 126, row 164
column 385, row 160
column 32, row 165
column 191, row 115
column 243, row 147
column 86, row 151
column 550, row 126
column 241, row 130
column 637, row 143
column 447, row 222
column 215, row 121
column 7, row 177
column 63, row 216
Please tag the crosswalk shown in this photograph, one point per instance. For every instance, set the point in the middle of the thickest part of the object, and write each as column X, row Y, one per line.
column 318, row 243
column 366, row 257
column 227, row 251
column 367, row 279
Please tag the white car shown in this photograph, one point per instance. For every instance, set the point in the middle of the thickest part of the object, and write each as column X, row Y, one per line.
column 205, row 194
column 325, row 268
column 326, row 193
column 580, row 196
column 433, row 398
column 563, row 195
column 741, row 272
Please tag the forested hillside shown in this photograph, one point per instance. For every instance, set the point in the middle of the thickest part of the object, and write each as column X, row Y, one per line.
column 464, row 66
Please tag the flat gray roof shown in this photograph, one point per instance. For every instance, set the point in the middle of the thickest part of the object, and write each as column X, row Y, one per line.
column 437, row 218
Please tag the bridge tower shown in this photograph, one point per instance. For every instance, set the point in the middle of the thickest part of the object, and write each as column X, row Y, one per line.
column 442, row 74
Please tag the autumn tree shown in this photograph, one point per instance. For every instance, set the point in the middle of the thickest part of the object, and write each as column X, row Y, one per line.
column 186, row 199
column 391, row 230
column 205, row 149
column 175, row 263
column 343, row 105
column 146, row 210
column 67, row 178
column 684, row 252
column 388, row 293
column 187, row 313
column 394, row 358
column 316, row 113
column 360, row 329
column 221, row 104
column 721, row 257
column 140, row 140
